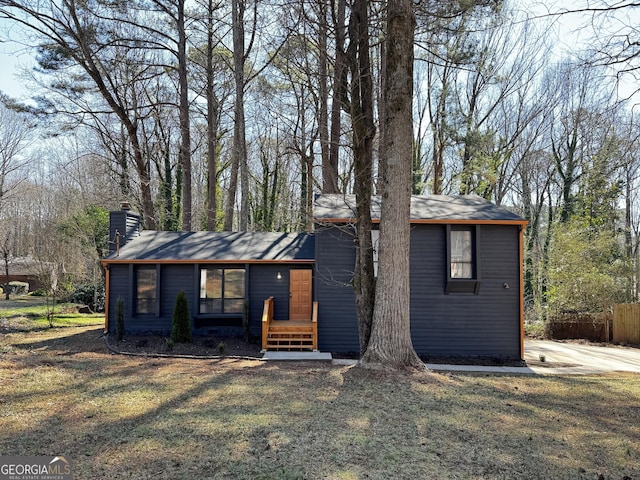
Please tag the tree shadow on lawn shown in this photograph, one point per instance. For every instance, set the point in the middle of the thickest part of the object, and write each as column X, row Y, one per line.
column 141, row 417
column 152, row 418
column 547, row 427
column 63, row 339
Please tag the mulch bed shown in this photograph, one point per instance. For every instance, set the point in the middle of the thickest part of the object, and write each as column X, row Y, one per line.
column 237, row 347
column 199, row 347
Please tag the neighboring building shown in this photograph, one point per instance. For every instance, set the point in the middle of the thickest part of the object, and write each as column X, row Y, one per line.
column 466, row 277
column 24, row 270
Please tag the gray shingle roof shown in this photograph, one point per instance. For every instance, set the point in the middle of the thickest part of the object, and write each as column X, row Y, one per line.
column 430, row 207
column 243, row 247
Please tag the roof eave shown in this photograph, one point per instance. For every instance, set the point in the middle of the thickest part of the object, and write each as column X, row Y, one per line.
column 436, row 221
column 107, row 261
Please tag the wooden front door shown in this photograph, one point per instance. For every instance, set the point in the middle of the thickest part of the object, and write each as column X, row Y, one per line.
column 300, row 288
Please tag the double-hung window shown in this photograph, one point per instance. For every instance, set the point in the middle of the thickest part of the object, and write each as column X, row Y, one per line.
column 222, row 290
column 463, row 264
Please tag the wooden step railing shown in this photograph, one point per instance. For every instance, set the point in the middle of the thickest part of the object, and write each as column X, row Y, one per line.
column 289, row 334
column 267, row 318
column 314, row 323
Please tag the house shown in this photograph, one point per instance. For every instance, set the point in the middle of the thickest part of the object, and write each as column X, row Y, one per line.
column 27, row 270
column 466, row 279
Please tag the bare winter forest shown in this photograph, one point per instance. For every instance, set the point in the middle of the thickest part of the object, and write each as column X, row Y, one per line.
column 215, row 115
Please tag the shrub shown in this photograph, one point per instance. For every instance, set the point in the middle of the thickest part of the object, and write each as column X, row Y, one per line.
column 587, row 272
column 18, row 288
column 84, row 294
column 120, row 318
column 181, row 327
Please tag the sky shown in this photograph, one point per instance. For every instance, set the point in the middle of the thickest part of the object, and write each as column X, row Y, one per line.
column 569, row 31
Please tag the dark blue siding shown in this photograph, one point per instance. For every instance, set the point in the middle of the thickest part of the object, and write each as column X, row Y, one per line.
column 335, row 260
column 119, row 288
column 487, row 324
column 173, row 280
column 262, row 282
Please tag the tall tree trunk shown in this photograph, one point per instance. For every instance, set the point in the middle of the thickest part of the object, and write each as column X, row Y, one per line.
column 238, row 160
column 330, row 171
column 361, row 109
column 149, row 219
column 323, row 92
column 185, row 128
column 381, row 129
column 212, row 129
column 390, row 343
column 169, row 222
column 628, row 237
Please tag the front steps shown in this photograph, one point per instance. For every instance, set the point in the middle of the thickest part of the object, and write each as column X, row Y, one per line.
column 291, row 335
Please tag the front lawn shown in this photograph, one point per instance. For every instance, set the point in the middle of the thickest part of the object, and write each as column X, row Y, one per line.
column 61, row 392
column 27, row 312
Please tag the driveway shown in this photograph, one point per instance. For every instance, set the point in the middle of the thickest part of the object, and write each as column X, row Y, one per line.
column 576, row 357
column 562, row 358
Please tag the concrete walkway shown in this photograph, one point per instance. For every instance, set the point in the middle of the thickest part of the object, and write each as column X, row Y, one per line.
column 304, row 356
column 560, row 358
column 580, row 358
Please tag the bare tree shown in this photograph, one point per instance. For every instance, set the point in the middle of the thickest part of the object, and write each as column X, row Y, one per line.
column 239, row 151
column 15, row 138
column 70, row 35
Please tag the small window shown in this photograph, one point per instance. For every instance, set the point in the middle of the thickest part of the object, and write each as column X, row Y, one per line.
column 146, row 281
column 463, row 265
column 222, row 290
column 461, row 254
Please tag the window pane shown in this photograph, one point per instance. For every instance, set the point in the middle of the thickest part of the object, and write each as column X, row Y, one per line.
column 461, row 254
column 234, row 283
column 233, row 305
column 211, row 283
column 222, row 290
column 210, row 305
column 146, row 290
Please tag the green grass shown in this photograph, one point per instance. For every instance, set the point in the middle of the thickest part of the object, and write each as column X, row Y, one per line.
column 30, row 313
column 124, row 417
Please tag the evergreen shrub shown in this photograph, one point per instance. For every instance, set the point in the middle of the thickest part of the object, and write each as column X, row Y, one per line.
column 120, row 318
column 181, row 327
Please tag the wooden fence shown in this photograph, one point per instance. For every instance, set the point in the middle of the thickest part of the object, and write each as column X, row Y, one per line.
column 626, row 324
column 594, row 327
